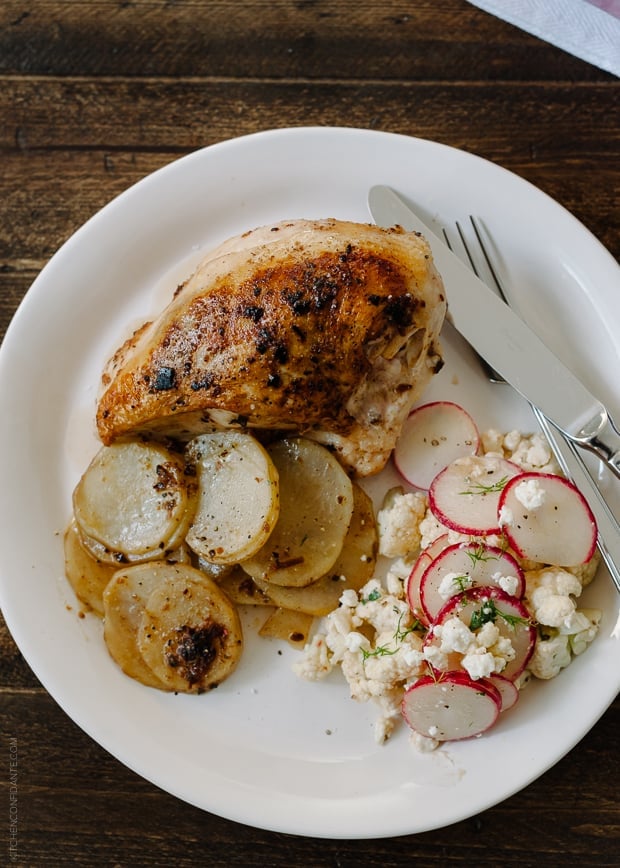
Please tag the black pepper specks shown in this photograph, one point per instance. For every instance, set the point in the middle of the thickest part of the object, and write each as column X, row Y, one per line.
column 164, row 379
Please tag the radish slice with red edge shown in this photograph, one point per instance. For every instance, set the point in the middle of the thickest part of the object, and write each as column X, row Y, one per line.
column 412, row 587
column 432, row 436
column 467, row 565
column 451, row 707
column 547, row 519
column 507, row 690
column 464, row 496
column 412, row 584
column 479, row 605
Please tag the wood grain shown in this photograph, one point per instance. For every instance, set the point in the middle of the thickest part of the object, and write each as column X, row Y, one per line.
column 95, row 96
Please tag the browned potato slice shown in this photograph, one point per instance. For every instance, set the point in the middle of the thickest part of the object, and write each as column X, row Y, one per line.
column 190, row 633
column 124, row 600
column 134, row 500
column 292, row 627
column 354, row 566
column 238, row 501
column 243, row 590
column 88, row 577
column 316, row 504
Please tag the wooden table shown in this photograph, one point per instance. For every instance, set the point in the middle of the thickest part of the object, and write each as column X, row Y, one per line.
column 96, row 95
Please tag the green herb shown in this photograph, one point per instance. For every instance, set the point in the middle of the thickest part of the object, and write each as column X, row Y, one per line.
column 374, row 595
column 478, row 555
column 481, row 488
column 489, row 612
column 399, row 636
column 463, row 583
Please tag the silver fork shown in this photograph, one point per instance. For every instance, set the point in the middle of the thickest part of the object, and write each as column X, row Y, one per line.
column 565, row 452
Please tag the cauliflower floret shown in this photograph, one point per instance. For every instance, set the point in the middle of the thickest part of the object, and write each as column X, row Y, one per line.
column 479, row 663
column 530, row 451
column 492, row 441
column 508, row 584
column 398, row 523
column 396, row 577
column 381, row 610
column 315, row 662
column 586, row 572
column 550, row 656
column 454, row 635
column 549, row 593
column 454, row 583
column 530, row 493
column 431, row 529
column 580, row 640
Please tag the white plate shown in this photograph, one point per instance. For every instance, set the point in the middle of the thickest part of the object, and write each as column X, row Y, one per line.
column 267, row 749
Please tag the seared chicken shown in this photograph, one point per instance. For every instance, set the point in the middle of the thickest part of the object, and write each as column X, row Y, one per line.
column 322, row 327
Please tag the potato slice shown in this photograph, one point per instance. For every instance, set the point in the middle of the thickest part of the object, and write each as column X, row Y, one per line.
column 190, row 634
column 134, row 500
column 243, row 590
column 354, row 566
column 238, row 500
column 124, row 600
column 316, row 504
column 88, row 577
column 291, row 627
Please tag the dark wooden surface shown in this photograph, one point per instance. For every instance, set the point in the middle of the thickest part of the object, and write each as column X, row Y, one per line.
column 95, row 95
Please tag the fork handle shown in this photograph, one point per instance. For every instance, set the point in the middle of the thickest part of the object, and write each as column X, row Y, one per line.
column 572, row 464
column 601, row 436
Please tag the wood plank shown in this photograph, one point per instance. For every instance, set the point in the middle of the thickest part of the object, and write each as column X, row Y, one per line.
column 279, row 39
column 553, row 121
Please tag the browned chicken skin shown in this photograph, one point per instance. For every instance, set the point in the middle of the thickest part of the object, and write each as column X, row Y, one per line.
column 321, row 327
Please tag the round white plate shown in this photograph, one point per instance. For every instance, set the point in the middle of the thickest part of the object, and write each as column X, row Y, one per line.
column 267, row 749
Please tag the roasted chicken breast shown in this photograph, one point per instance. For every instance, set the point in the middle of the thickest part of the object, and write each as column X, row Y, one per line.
column 322, row 327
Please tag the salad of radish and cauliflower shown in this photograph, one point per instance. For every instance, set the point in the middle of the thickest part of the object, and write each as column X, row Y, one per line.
column 488, row 549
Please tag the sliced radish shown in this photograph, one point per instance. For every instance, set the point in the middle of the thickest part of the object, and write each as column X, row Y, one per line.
column 507, row 690
column 451, row 707
column 479, row 605
column 467, row 565
column 465, row 495
column 547, row 519
column 438, row 545
column 412, row 585
column 431, row 438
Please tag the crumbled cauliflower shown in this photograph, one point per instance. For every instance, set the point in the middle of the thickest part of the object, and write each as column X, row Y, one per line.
column 454, row 583
column 550, row 656
column 375, row 641
column 550, row 594
column 530, row 451
column 370, row 635
column 398, row 523
column 483, row 651
column 530, row 493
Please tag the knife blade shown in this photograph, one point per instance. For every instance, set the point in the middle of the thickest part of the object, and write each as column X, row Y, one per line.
column 506, row 343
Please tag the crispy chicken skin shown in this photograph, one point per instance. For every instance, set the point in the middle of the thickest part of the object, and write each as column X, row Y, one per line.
column 322, row 327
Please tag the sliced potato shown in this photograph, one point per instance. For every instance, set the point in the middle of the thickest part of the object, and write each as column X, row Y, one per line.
column 134, row 500
column 238, row 500
column 354, row 566
column 292, row 627
column 88, row 577
column 124, row 600
column 242, row 589
column 190, row 634
column 316, row 504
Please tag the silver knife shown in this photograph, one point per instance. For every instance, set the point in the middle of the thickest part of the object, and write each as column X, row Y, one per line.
column 504, row 340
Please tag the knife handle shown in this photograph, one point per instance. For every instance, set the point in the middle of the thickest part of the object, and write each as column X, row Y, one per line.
column 602, row 437
column 571, row 463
